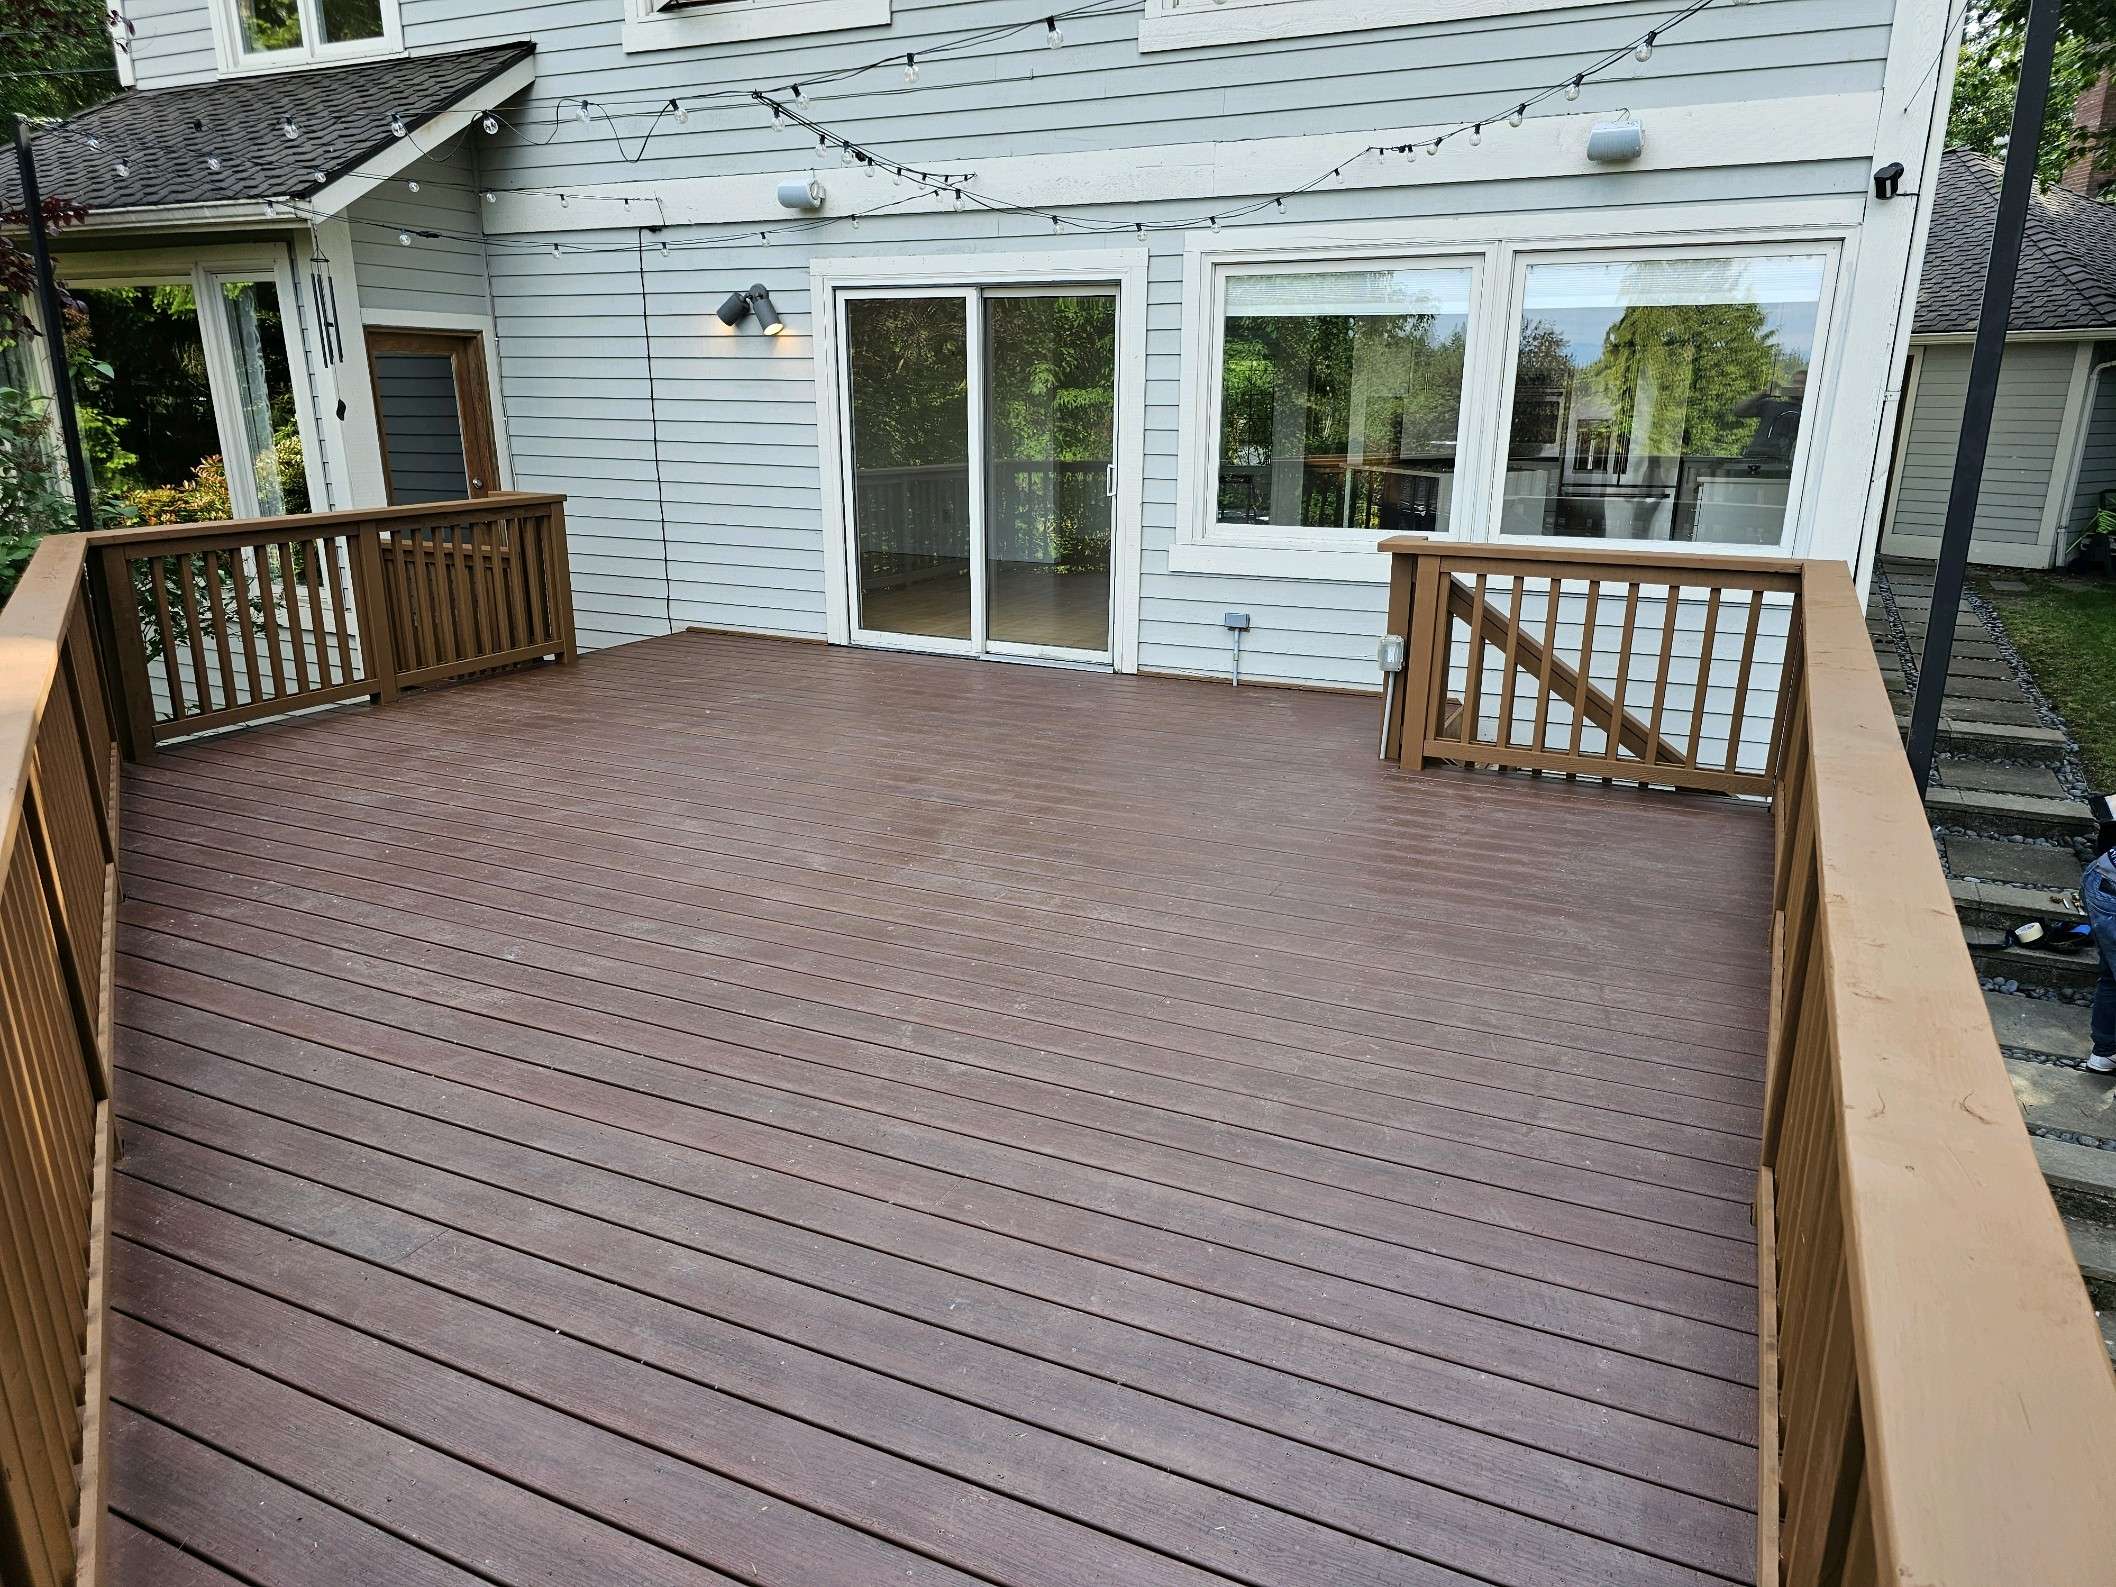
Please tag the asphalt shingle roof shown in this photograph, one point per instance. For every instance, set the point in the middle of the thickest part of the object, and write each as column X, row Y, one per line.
column 2067, row 278
column 166, row 135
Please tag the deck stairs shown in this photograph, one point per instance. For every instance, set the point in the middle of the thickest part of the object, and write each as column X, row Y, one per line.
column 2013, row 831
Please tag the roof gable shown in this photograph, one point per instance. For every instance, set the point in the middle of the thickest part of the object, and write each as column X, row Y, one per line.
column 2067, row 276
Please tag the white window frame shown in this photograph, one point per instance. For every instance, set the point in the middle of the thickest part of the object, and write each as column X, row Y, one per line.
column 1477, row 263
column 233, row 58
column 1803, row 470
column 735, row 21
column 832, row 280
column 204, row 274
column 1508, row 243
column 1199, row 24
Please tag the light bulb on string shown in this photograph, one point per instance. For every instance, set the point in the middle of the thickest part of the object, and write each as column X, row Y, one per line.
column 93, row 141
column 1645, row 47
column 489, row 196
column 412, row 186
column 397, row 129
column 1476, row 134
column 555, row 250
column 318, row 178
column 910, row 68
column 213, row 162
column 123, row 168
column 404, row 239
column 287, row 129
column 1572, row 89
column 1519, row 111
column 584, row 112
column 1053, row 35
column 490, row 123
column 681, row 113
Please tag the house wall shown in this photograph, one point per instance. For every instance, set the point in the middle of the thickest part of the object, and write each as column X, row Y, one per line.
column 2035, row 379
column 172, row 42
column 732, row 535
column 2097, row 456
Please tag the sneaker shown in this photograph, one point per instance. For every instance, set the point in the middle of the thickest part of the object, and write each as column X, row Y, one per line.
column 2103, row 1063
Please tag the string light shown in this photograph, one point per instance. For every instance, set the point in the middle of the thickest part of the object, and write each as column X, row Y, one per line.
column 910, row 68
column 1519, row 112
column 490, row 123
column 800, row 94
column 287, row 129
column 683, row 116
column 213, row 162
column 1476, row 134
column 404, row 237
column 123, row 168
column 412, row 186
column 1053, row 35
column 397, row 129
column 1572, row 89
column 1645, row 47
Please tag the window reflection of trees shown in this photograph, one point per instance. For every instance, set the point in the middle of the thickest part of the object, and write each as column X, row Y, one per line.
column 1339, row 421
column 1691, row 409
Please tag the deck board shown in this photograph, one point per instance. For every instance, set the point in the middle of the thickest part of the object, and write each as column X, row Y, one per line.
column 797, row 1115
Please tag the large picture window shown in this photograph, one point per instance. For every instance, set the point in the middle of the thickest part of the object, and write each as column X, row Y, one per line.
column 1340, row 401
column 1661, row 398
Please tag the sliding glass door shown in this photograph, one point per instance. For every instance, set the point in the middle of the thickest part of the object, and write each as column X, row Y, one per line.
column 981, row 428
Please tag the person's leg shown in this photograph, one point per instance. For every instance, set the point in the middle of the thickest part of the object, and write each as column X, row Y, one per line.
column 2098, row 893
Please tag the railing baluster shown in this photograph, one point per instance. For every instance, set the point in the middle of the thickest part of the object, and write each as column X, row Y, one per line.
column 188, row 599
column 290, row 594
column 1552, row 596
column 336, row 570
column 1671, row 609
column 1741, row 678
column 1701, row 694
column 165, row 630
column 312, row 580
column 215, row 604
column 1511, row 665
column 1473, row 686
column 268, row 606
column 1587, row 638
column 239, row 577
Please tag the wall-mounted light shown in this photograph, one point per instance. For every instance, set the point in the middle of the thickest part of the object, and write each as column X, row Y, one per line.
column 756, row 300
column 801, row 192
column 1615, row 142
column 1888, row 180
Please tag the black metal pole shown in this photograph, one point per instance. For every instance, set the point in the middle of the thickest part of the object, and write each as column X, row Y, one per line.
column 2015, row 190
column 54, row 328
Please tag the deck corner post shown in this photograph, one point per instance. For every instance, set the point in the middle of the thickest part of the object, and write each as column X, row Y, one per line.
column 124, row 652
column 378, row 640
column 562, row 585
column 1403, row 573
column 1425, row 620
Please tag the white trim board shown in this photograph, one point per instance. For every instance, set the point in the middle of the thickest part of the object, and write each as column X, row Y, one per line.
column 1127, row 267
column 426, row 138
column 1678, row 137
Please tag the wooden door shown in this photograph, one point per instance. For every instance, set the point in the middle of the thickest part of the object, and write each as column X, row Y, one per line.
column 433, row 414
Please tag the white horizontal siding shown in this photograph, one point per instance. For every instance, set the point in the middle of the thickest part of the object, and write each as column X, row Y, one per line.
column 172, row 42
column 444, row 274
column 2033, row 380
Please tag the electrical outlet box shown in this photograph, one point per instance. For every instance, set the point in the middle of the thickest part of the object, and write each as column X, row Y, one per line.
column 1238, row 621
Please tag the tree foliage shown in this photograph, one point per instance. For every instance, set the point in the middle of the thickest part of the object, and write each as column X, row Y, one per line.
column 1987, row 74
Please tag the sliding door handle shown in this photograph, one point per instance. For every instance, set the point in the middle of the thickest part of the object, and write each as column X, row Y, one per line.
column 1109, row 480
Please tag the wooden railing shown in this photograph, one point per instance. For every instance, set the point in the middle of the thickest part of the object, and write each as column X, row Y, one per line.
column 58, row 852
column 1944, row 1411
column 212, row 625
column 1624, row 664
column 1935, row 1403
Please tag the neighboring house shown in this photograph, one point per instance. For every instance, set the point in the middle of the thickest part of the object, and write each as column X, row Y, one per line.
column 2053, row 433
column 986, row 432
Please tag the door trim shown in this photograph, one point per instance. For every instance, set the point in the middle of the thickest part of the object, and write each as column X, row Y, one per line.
column 382, row 322
column 1126, row 269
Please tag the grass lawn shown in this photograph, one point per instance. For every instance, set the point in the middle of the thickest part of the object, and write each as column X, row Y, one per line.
column 2065, row 629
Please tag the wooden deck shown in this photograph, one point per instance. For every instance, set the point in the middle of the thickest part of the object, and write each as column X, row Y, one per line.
column 742, row 1111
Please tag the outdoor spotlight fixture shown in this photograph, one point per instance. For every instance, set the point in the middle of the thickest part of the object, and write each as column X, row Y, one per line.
column 1888, row 180
column 756, row 300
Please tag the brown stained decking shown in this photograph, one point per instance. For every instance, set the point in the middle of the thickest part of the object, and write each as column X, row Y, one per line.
column 744, row 1111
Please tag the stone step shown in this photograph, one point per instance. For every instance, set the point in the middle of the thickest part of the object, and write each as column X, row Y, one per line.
column 2072, row 1101
column 2015, row 741
column 2030, row 966
column 2094, row 1244
column 1960, row 686
column 2081, row 1178
column 1959, row 665
column 2009, row 815
column 2042, row 866
column 2010, row 713
column 2040, row 1024
column 2001, row 904
column 2039, row 782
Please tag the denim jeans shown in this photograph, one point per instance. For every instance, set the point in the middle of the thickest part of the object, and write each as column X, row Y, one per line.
column 2098, row 890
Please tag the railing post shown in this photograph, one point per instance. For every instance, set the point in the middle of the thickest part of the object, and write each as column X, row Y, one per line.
column 1403, row 573
column 561, row 582
column 1425, row 664
column 378, row 640
column 126, row 653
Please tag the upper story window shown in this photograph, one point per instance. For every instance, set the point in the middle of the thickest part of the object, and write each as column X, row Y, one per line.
column 281, row 33
column 1196, row 24
column 680, row 24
